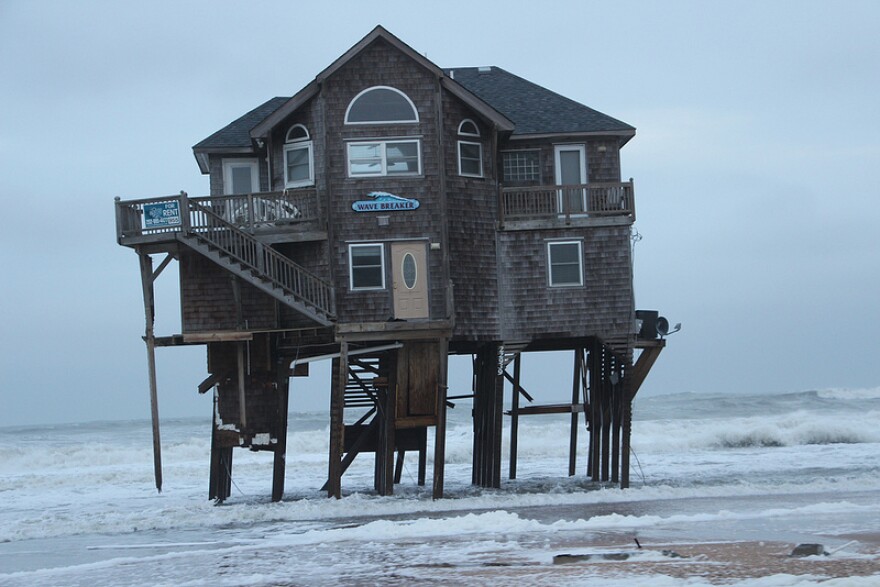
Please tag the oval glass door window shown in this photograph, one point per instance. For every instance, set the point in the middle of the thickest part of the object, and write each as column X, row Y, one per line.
column 409, row 270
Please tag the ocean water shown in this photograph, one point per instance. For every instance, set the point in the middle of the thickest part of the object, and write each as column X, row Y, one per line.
column 78, row 504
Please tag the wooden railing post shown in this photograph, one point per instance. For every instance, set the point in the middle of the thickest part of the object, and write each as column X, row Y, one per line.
column 501, row 204
column 185, row 224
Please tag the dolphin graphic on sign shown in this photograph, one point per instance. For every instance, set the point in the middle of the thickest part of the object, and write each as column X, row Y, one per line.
column 384, row 202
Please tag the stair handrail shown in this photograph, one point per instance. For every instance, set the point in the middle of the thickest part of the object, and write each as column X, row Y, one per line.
column 306, row 287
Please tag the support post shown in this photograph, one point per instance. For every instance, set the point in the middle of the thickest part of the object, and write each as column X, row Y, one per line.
column 150, row 338
column 242, row 388
column 488, row 404
column 279, row 465
column 440, row 429
column 337, row 424
column 514, row 415
column 575, row 393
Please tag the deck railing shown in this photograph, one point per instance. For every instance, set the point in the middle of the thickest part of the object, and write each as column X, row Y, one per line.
column 212, row 228
column 251, row 212
column 215, row 222
column 564, row 202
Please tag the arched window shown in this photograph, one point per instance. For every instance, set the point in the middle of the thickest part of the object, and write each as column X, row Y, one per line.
column 299, row 165
column 468, row 128
column 381, row 104
column 470, row 152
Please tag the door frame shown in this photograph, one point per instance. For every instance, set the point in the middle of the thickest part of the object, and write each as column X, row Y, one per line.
column 418, row 249
column 581, row 149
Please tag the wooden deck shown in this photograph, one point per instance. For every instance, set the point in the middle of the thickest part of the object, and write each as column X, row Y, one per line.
column 538, row 207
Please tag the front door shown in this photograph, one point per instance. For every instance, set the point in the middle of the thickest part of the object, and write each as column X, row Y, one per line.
column 571, row 171
column 410, row 280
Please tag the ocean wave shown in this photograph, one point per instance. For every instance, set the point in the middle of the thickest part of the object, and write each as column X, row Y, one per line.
column 790, row 429
column 870, row 393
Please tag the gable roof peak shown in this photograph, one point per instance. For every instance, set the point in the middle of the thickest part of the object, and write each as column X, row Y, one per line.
column 379, row 32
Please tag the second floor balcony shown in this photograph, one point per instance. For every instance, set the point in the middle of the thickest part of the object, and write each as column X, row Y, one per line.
column 535, row 207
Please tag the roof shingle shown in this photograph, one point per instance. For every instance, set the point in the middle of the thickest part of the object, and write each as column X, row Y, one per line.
column 532, row 108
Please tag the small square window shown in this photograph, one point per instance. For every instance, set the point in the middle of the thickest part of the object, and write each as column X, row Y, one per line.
column 367, row 266
column 521, row 166
column 565, row 263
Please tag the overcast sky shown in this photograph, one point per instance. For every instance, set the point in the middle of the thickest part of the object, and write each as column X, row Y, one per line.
column 758, row 136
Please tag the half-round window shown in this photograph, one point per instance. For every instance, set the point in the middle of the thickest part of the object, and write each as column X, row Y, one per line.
column 297, row 132
column 468, row 128
column 408, row 270
column 381, row 104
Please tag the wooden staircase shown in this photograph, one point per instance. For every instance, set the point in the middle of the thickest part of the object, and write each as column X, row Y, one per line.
column 210, row 235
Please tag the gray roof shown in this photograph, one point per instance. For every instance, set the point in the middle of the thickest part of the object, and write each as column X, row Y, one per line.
column 532, row 108
column 236, row 134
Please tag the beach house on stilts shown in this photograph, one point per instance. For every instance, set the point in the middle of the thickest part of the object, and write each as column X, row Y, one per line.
column 389, row 214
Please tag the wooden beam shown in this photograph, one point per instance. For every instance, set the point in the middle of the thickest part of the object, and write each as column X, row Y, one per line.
column 168, row 258
column 210, row 381
column 642, row 367
column 575, row 393
column 337, row 424
column 440, row 429
column 217, row 336
column 149, row 336
column 514, row 414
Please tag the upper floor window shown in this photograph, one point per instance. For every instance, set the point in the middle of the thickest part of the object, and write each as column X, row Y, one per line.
column 299, row 165
column 521, row 166
column 470, row 153
column 381, row 104
column 565, row 260
column 387, row 157
column 468, row 128
column 241, row 176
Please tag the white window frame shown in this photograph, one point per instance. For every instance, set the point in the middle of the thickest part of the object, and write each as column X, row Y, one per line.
column 516, row 153
column 479, row 159
column 230, row 164
column 468, row 134
column 351, row 248
column 580, row 249
column 415, row 110
column 298, row 144
column 383, row 157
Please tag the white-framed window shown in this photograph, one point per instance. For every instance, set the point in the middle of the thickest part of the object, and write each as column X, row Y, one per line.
column 520, row 166
column 470, row 153
column 366, row 264
column 566, row 263
column 385, row 157
column 299, row 164
column 468, row 128
column 470, row 159
column 241, row 176
column 381, row 105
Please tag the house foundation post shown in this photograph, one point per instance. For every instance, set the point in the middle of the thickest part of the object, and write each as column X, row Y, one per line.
column 337, row 424
column 440, row 429
column 282, row 387
column 488, row 406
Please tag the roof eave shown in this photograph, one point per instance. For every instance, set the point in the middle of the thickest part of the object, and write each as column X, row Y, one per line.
column 623, row 135
column 263, row 129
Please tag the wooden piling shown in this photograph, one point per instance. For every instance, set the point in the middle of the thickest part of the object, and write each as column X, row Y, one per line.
column 147, row 278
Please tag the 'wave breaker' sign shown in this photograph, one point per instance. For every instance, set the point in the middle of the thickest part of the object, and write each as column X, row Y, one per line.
column 384, row 202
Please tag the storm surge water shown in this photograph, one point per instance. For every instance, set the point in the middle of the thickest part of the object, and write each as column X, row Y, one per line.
column 80, row 506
